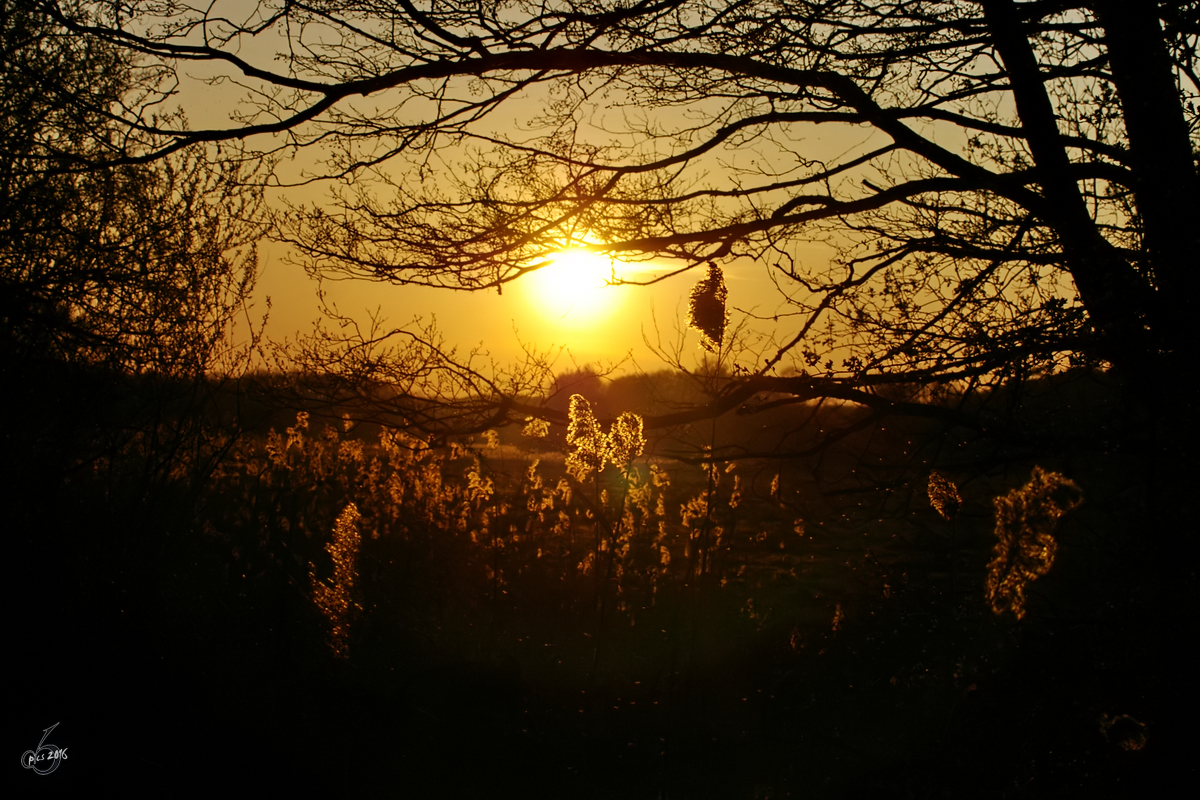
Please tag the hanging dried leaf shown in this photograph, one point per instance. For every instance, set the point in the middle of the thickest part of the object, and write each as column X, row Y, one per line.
column 706, row 309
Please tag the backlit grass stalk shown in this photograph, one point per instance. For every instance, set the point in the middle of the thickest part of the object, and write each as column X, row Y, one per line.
column 1026, row 519
column 945, row 499
column 333, row 598
column 592, row 450
column 709, row 316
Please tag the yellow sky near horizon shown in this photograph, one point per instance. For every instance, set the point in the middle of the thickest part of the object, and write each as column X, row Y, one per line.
column 607, row 326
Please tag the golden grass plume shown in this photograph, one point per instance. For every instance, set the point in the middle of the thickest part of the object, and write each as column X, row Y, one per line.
column 1025, row 523
column 333, row 598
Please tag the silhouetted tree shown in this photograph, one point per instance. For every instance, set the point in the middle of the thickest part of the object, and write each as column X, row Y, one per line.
column 1024, row 197
column 138, row 267
column 119, row 283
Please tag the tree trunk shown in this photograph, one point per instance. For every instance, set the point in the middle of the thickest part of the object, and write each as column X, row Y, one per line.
column 1166, row 187
column 1117, row 299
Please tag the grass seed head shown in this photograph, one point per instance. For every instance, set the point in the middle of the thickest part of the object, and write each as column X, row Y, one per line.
column 586, row 437
column 535, row 428
column 943, row 496
column 333, row 598
column 626, row 441
column 1025, row 523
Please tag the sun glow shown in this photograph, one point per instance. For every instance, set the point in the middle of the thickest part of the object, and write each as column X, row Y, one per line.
column 572, row 288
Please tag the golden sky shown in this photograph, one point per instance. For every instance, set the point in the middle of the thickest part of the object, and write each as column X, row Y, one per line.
column 580, row 318
column 566, row 308
column 590, row 323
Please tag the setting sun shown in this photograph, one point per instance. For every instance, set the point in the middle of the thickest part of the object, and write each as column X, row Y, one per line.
column 572, row 287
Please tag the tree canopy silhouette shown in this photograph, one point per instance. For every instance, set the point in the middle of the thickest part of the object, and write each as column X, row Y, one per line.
column 120, row 281
column 1024, row 198
column 137, row 267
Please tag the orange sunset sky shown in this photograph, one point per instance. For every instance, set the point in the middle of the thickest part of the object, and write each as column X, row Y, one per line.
column 568, row 309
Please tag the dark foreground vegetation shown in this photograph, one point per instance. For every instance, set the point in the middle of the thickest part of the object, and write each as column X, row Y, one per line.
column 515, row 631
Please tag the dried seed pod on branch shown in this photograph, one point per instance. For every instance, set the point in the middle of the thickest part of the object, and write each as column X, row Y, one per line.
column 706, row 309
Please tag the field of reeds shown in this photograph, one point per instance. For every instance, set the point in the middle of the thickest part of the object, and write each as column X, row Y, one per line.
column 348, row 608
